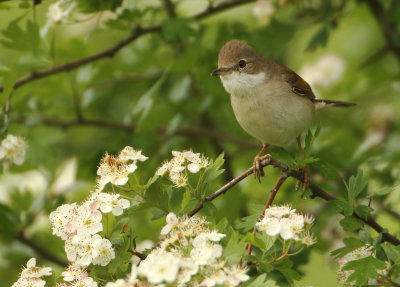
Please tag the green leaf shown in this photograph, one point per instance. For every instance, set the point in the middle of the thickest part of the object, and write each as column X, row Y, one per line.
column 364, row 269
column 350, row 223
column 90, row 6
column 319, row 39
column 9, row 222
column 385, row 191
column 235, row 248
column 178, row 28
column 351, row 244
column 210, row 173
column 175, row 201
column 342, row 207
column 260, row 282
column 392, row 252
column 247, row 223
column 19, row 39
column 327, row 170
column 363, row 211
column 285, row 267
column 357, row 184
column 257, row 242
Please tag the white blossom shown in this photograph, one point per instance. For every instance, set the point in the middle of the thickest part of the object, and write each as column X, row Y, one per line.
column 33, row 271
column 74, row 272
column 103, row 252
column 236, row 275
column 177, row 166
column 115, row 169
column 62, row 220
column 158, row 268
column 13, row 150
column 88, row 220
column 112, row 203
column 31, row 275
column 263, row 10
column 325, row 72
column 56, row 13
column 217, row 278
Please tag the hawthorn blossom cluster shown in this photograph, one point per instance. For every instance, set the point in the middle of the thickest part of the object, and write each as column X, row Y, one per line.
column 32, row 275
column 76, row 275
column 79, row 224
column 59, row 11
column 187, row 255
column 264, row 10
column 13, row 150
column 176, row 169
column 356, row 254
column 116, row 168
column 284, row 221
column 325, row 72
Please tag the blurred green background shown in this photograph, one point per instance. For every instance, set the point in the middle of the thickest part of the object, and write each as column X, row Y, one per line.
column 157, row 95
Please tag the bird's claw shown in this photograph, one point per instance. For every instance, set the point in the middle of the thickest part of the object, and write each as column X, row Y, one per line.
column 306, row 180
column 257, row 167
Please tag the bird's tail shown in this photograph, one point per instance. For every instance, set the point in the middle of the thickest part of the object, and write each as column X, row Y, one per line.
column 320, row 103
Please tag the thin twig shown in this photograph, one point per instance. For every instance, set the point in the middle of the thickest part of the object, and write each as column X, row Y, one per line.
column 388, row 27
column 41, row 252
column 316, row 192
column 271, row 198
column 110, row 52
column 186, row 131
column 170, row 8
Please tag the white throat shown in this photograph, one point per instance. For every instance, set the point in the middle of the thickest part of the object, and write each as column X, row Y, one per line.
column 236, row 82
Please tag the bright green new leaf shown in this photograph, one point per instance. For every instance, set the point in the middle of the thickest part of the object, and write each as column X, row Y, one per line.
column 351, row 244
column 357, row 184
column 350, row 223
column 342, row 207
column 364, row 269
column 363, row 211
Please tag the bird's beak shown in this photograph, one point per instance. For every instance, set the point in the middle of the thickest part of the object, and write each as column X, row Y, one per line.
column 220, row 71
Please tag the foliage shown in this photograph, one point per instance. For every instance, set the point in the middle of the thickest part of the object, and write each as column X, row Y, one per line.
column 82, row 78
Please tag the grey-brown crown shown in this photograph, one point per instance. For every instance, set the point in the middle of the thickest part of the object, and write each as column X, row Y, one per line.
column 235, row 50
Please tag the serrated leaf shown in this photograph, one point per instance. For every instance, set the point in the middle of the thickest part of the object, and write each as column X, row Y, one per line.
column 357, row 184
column 364, row 269
column 351, row 244
column 320, row 38
column 90, row 6
column 385, row 191
column 258, row 282
column 177, row 28
column 326, row 169
column 285, row 267
column 9, row 222
column 392, row 252
column 342, row 207
column 350, row 223
column 235, row 248
column 247, row 223
column 363, row 211
column 257, row 242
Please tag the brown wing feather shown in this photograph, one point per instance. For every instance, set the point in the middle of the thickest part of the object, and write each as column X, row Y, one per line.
column 299, row 86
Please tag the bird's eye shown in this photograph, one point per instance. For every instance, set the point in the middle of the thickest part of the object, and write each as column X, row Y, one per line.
column 242, row 63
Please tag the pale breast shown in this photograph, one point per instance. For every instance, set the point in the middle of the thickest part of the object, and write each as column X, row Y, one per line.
column 270, row 115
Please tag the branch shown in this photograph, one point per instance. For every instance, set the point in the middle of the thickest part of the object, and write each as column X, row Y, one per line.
column 316, row 192
column 388, row 28
column 43, row 253
column 110, row 52
column 186, row 131
column 271, row 198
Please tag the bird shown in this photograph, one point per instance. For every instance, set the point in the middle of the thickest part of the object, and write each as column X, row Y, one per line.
column 270, row 101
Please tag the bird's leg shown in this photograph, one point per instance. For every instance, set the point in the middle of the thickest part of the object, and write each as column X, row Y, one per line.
column 258, row 169
column 304, row 169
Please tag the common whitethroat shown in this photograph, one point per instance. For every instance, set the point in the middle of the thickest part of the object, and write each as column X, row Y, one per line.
column 270, row 101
